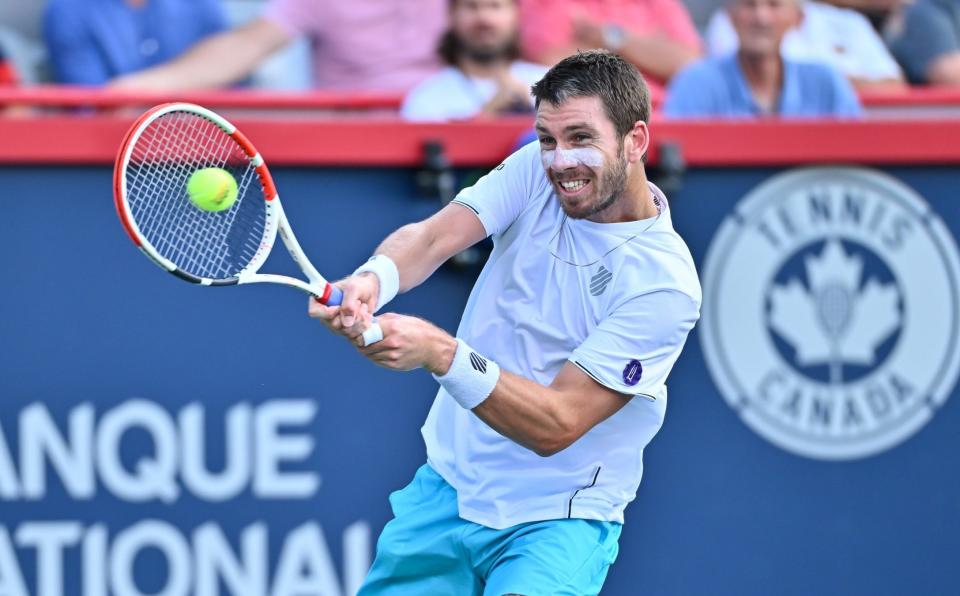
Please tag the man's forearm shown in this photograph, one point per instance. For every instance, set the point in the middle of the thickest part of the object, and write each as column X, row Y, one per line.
column 215, row 62
column 418, row 249
column 945, row 70
column 411, row 247
column 879, row 85
column 544, row 419
column 529, row 414
column 657, row 55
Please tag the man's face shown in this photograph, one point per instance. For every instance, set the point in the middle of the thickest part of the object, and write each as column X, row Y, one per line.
column 582, row 155
column 486, row 28
column 761, row 24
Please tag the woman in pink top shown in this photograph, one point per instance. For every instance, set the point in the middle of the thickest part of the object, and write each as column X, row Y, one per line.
column 657, row 36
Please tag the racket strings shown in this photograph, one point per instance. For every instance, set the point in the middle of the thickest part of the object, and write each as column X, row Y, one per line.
column 194, row 225
column 215, row 245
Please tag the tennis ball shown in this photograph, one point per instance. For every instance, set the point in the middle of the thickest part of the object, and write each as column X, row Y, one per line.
column 212, row 189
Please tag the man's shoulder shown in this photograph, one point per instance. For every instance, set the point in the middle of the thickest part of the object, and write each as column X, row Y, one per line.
column 525, row 162
column 922, row 15
column 71, row 20
column 65, row 9
column 936, row 8
column 665, row 265
column 521, row 169
column 437, row 97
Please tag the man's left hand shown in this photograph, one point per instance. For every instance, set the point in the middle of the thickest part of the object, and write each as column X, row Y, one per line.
column 410, row 342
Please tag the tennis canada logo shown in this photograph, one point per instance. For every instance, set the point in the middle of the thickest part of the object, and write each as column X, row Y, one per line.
column 831, row 307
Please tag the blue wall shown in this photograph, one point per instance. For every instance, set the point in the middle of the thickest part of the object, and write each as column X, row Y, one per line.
column 87, row 320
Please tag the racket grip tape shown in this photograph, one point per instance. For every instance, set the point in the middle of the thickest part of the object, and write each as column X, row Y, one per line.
column 332, row 295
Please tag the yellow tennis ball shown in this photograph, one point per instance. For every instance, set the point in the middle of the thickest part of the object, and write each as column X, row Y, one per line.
column 212, row 189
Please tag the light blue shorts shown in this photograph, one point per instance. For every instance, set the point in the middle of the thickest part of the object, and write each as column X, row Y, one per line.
column 427, row 549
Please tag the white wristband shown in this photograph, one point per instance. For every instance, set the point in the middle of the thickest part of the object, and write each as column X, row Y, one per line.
column 386, row 271
column 471, row 377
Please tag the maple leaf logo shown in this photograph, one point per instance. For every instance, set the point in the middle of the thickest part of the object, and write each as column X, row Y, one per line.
column 838, row 320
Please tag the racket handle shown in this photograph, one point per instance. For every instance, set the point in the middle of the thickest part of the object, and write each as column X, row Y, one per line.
column 335, row 297
column 332, row 295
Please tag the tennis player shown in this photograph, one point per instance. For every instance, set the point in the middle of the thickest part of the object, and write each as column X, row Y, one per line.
column 555, row 381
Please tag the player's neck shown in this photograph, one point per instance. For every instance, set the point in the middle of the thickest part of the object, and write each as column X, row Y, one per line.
column 495, row 69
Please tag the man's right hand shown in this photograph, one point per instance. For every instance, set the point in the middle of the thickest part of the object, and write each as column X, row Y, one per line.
column 355, row 313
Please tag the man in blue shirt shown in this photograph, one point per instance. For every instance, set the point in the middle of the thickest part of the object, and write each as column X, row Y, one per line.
column 757, row 80
column 93, row 41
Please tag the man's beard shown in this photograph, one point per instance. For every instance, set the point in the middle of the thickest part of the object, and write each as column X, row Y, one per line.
column 610, row 187
column 488, row 54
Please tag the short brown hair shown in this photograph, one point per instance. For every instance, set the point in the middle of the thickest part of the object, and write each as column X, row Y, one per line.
column 598, row 73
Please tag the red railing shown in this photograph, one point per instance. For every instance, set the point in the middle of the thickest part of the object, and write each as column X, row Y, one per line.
column 73, row 97
column 370, row 134
column 54, row 96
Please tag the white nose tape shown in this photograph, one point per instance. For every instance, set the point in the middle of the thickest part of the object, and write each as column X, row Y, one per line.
column 563, row 159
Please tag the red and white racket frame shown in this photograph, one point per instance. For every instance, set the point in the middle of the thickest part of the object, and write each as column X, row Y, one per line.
column 276, row 220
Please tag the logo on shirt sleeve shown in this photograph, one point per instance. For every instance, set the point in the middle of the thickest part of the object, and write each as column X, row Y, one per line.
column 632, row 372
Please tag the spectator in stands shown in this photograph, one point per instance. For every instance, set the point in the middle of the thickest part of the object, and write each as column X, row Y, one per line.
column 93, row 41
column 841, row 37
column 757, row 80
column 381, row 45
column 925, row 38
column 483, row 76
column 657, row 36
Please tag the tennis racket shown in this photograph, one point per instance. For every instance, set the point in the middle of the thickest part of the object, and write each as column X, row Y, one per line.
column 160, row 152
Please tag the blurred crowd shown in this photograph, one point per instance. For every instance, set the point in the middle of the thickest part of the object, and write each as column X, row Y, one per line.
column 457, row 59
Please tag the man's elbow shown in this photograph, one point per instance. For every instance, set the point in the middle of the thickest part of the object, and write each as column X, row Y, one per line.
column 550, row 448
column 559, row 438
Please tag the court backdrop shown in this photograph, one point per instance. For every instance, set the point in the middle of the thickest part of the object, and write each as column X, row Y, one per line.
column 158, row 437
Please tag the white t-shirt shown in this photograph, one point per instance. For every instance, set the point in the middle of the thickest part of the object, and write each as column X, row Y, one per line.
column 840, row 37
column 621, row 312
column 452, row 95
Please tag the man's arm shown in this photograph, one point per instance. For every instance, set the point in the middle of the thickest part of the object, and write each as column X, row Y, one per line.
column 417, row 249
column 945, row 70
column 657, row 55
column 661, row 54
column 545, row 420
column 217, row 61
column 420, row 248
column 887, row 85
